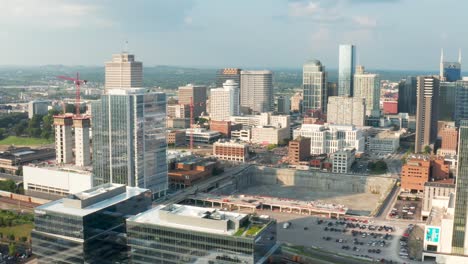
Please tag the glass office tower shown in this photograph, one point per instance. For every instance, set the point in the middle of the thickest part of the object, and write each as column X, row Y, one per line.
column 461, row 101
column 446, row 107
column 407, row 90
column 461, row 193
column 346, row 68
column 129, row 139
column 314, row 80
column 87, row 227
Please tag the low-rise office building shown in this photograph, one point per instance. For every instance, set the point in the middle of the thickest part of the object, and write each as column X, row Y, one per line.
column 185, row 173
column 299, row 150
column 231, row 151
column 241, row 135
column 55, row 181
column 270, row 135
column 385, row 142
column 176, row 138
column 342, row 160
column 415, row 173
column 187, row 234
column 87, row 227
column 202, row 135
column 14, row 158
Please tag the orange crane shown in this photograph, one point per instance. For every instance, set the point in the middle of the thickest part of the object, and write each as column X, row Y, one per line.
column 77, row 83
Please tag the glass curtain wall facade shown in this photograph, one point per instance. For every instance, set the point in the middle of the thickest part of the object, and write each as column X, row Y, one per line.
column 346, row 68
column 447, row 92
column 160, row 244
column 64, row 237
column 129, row 142
column 461, row 101
column 407, row 95
column 461, row 198
column 314, row 79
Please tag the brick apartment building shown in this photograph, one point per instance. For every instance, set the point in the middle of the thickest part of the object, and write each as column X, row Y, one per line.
column 230, row 150
column 299, row 150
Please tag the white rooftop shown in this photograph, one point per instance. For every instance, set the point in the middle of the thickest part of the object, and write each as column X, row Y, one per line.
column 153, row 217
column 59, row 207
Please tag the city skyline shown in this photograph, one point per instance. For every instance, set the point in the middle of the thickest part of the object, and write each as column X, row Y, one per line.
column 308, row 29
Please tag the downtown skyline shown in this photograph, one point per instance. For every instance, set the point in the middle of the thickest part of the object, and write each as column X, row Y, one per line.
column 280, row 34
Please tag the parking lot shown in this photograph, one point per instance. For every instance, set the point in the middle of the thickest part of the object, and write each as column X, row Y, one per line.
column 375, row 240
column 409, row 210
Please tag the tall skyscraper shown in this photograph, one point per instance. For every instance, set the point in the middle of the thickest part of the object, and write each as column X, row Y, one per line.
column 129, row 142
column 367, row 86
column 446, row 101
column 227, row 74
column 224, row 102
column 123, row 72
column 283, row 104
column 407, row 95
column 426, row 111
column 459, row 237
column 314, row 82
column 344, row 110
column 197, row 93
column 346, row 68
column 461, row 101
column 296, row 102
column 257, row 90
column 450, row 71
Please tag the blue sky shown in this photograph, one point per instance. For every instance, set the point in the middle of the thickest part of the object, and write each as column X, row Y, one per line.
column 389, row 34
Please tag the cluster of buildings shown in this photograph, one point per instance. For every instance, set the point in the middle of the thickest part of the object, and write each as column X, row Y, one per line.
column 114, row 223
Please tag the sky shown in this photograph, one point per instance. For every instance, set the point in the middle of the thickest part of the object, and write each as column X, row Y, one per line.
column 388, row 34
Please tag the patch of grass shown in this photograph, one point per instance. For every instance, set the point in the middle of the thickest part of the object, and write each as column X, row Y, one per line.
column 253, row 230
column 240, row 231
column 415, row 243
column 18, row 231
column 25, row 141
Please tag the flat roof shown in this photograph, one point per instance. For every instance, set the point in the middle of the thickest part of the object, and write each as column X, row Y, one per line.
column 152, row 217
column 59, row 207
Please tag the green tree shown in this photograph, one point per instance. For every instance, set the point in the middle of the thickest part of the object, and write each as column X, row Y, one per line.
column 381, row 166
column 427, row 149
column 23, row 239
column 3, row 133
column 11, row 249
column 12, row 237
column 20, row 127
column 8, row 186
column 271, row 146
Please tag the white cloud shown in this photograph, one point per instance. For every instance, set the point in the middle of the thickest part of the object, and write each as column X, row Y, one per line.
column 299, row 9
column 365, row 22
column 188, row 20
column 50, row 14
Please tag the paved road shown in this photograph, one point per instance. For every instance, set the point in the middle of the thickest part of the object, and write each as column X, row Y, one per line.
column 388, row 204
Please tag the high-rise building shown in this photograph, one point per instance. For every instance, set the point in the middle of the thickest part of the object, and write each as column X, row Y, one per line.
column 426, row 111
column 450, row 71
column 332, row 89
column 82, row 149
column 87, row 227
column 224, row 102
column 257, row 91
column 346, row 68
column 314, row 82
column 123, row 72
column 446, row 102
column 296, row 102
column 461, row 101
column 63, row 138
column 459, row 238
column 283, row 104
column 367, row 86
column 344, row 110
column 196, row 94
column 342, row 160
column 129, row 140
column 407, row 95
column 225, row 74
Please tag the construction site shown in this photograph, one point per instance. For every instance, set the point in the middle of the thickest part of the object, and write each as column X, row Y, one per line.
column 300, row 192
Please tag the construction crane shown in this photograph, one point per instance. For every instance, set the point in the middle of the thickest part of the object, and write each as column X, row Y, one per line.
column 77, row 83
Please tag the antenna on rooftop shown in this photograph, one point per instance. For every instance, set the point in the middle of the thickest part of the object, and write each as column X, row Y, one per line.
column 125, row 49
